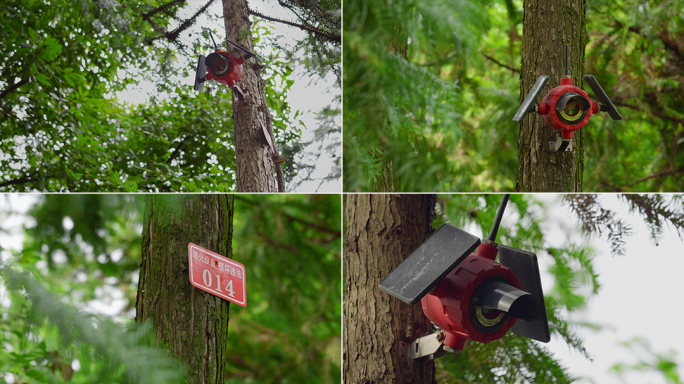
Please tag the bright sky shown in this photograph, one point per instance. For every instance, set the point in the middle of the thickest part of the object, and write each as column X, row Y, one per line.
column 638, row 296
column 309, row 94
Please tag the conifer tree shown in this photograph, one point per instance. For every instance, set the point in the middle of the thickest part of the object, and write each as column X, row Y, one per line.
column 541, row 170
column 191, row 323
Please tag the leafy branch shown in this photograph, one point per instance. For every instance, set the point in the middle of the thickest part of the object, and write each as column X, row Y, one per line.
column 595, row 220
column 334, row 38
column 103, row 340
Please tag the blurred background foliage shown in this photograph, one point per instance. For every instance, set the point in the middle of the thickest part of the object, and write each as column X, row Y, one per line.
column 68, row 292
column 431, row 88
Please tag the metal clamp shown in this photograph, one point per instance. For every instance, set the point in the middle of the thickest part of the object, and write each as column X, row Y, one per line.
column 427, row 347
column 561, row 145
column 240, row 93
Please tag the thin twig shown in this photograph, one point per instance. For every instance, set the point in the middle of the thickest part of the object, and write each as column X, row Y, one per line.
column 176, row 150
column 658, row 174
column 164, row 7
column 12, row 88
column 22, row 180
column 304, row 222
column 495, row 61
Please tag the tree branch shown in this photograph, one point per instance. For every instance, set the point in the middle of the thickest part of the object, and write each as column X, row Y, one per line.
column 659, row 115
column 657, row 174
column 22, row 180
column 499, row 63
column 12, row 88
column 176, row 150
column 164, row 7
column 304, row 222
column 173, row 35
column 328, row 36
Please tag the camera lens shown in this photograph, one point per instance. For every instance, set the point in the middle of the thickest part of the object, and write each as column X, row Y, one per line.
column 571, row 108
column 218, row 64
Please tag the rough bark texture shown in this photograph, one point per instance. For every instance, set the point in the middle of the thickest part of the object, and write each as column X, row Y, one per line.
column 547, row 26
column 381, row 231
column 255, row 168
column 190, row 322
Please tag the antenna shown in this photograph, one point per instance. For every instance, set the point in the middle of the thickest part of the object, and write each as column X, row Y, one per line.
column 567, row 53
column 497, row 219
column 212, row 40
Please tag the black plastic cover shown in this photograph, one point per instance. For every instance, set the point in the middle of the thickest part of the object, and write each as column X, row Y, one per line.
column 527, row 104
column 606, row 104
column 244, row 50
column 525, row 267
column 429, row 264
column 201, row 74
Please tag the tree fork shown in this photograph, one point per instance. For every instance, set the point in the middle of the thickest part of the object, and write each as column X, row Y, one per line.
column 255, row 168
column 382, row 230
column 547, row 26
column 191, row 323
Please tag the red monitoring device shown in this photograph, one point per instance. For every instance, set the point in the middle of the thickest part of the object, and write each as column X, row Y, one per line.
column 470, row 296
column 566, row 108
column 223, row 67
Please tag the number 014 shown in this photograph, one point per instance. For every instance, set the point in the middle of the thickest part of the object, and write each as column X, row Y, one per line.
column 206, row 276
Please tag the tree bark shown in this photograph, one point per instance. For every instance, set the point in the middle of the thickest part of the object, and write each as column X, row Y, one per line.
column 547, row 26
column 381, row 231
column 255, row 168
column 190, row 322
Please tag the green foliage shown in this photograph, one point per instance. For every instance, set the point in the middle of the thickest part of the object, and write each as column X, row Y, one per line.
column 290, row 331
column 664, row 364
column 511, row 359
column 63, row 129
column 401, row 119
column 49, row 334
column 634, row 50
column 328, row 136
column 656, row 210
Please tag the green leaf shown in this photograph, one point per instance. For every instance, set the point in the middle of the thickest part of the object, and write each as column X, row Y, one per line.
column 43, row 79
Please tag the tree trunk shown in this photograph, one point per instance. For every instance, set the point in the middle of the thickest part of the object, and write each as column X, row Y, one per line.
column 255, row 166
column 547, row 26
column 382, row 230
column 190, row 322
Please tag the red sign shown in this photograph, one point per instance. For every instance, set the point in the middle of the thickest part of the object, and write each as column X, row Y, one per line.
column 217, row 274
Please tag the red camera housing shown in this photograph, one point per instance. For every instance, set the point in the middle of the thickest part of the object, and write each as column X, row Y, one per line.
column 451, row 306
column 566, row 108
column 468, row 295
column 216, row 63
column 223, row 67
column 553, row 112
